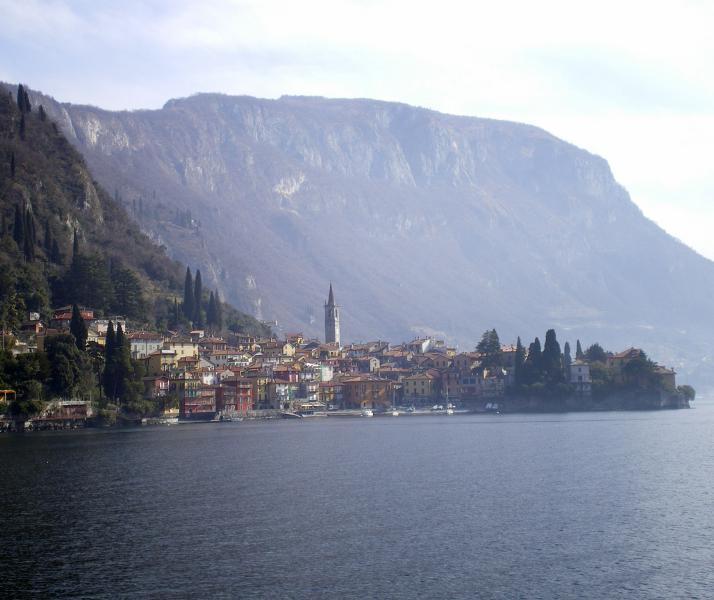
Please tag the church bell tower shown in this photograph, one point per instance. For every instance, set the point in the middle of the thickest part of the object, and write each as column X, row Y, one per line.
column 332, row 320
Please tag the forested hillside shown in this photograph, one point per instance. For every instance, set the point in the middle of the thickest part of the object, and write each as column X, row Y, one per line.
column 64, row 240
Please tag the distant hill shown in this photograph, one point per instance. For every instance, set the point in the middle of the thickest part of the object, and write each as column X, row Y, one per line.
column 45, row 183
column 424, row 222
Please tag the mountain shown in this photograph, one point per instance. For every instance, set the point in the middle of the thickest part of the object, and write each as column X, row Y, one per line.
column 64, row 239
column 424, row 222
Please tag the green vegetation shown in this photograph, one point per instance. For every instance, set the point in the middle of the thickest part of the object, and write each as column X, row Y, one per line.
column 64, row 241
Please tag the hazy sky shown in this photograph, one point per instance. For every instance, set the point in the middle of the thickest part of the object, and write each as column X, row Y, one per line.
column 629, row 80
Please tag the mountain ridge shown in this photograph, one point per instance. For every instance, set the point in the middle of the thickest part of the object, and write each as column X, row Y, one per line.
column 425, row 222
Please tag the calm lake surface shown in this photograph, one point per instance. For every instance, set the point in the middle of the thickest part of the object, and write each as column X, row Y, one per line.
column 598, row 505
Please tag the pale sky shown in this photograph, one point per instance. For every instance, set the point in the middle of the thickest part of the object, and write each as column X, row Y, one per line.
column 629, row 80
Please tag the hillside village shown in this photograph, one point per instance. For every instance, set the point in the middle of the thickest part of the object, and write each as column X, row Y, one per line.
column 200, row 376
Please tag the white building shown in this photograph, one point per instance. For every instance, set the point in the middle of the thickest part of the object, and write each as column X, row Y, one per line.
column 580, row 377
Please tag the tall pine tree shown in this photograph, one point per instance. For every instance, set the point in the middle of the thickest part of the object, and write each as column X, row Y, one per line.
column 75, row 245
column 219, row 313
column 579, row 354
column 518, row 374
column 533, row 365
column 198, row 301
column 109, row 375
column 18, row 229
column 78, row 328
column 187, row 305
column 552, row 360
column 567, row 361
column 122, row 354
column 211, row 311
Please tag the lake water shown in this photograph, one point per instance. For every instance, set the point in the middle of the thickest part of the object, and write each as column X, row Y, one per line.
column 599, row 505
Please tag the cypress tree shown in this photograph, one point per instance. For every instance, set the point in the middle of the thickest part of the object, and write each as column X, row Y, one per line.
column 78, row 328
column 579, row 355
column 519, row 362
column 175, row 317
column 567, row 360
column 211, row 311
column 22, row 127
column 13, row 166
column 75, row 245
column 109, row 375
column 47, row 241
column 219, row 313
column 55, row 255
column 30, row 236
column 533, row 362
column 43, row 114
column 26, row 101
column 22, row 99
column 552, row 364
column 18, row 230
column 197, row 299
column 122, row 353
column 188, row 295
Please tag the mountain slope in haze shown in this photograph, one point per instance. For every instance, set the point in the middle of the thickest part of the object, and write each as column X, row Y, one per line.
column 424, row 222
column 45, row 181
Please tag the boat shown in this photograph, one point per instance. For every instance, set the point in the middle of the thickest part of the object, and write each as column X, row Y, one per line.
column 290, row 415
column 395, row 412
column 449, row 411
column 367, row 412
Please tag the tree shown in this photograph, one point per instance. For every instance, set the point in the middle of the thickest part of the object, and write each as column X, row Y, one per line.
column 519, row 362
column 78, row 328
column 23, row 100
column 579, row 355
column 13, row 165
column 533, row 364
column 595, row 353
column 211, row 311
column 198, row 301
column 490, row 347
column 42, row 113
column 567, row 361
column 18, row 229
column 75, row 245
column 30, row 236
column 551, row 359
column 219, row 313
column 128, row 295
column 23, row 127
column 65, row 365
column 109, row 375
column 55, row 254
column 188, row 295
column 175, row 318
column 687, row 391
column 47, row 240
column 87, row 282
column 124, row 370
column 639, row 373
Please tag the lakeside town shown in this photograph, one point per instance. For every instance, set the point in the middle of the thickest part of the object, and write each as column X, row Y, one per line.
column 197, row 376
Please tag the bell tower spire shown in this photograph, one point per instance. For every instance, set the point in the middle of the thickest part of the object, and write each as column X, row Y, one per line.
column 332, row 319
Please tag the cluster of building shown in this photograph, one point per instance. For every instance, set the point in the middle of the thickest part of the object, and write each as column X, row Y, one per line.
column 197, row 375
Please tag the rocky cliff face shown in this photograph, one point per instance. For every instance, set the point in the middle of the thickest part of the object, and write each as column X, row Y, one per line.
column 424, row 222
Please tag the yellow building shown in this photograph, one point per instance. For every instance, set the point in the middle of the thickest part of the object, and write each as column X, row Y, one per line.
column 420, row 386
column 183, row 347
column 160, row 362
